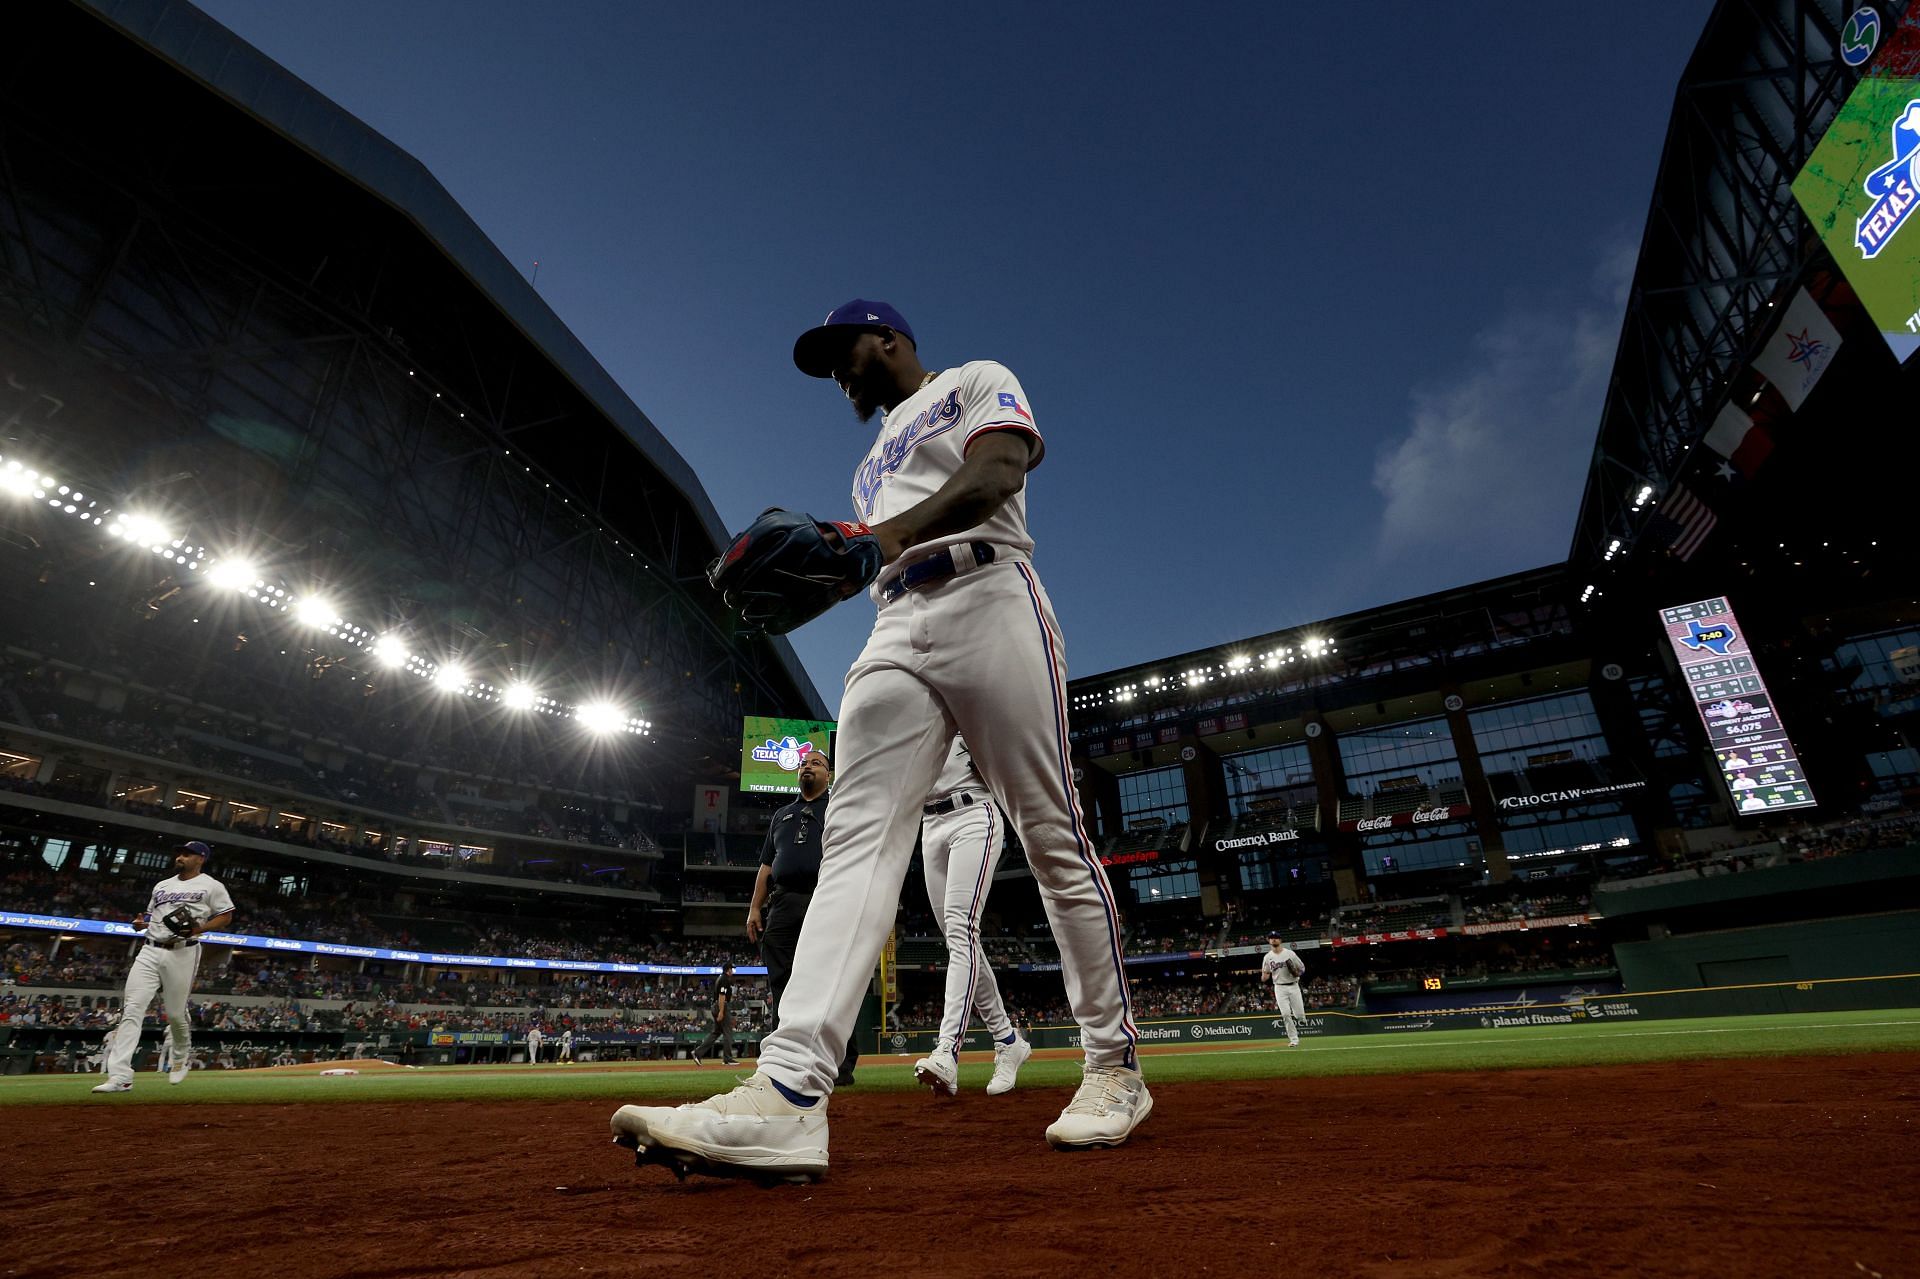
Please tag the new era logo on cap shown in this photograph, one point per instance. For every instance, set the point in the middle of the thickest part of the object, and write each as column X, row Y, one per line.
column 818, row 348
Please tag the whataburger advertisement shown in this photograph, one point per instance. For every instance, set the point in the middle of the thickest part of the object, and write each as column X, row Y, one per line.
column 1756, row 757
column 1861, row 188
column 772, row 750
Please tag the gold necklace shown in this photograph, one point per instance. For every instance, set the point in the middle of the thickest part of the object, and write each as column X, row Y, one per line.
column 927, row 381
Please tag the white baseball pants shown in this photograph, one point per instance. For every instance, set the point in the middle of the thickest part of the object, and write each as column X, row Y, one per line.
column 979, row 653
column 169, row 974
column 959, row 850
column 1293, row 1009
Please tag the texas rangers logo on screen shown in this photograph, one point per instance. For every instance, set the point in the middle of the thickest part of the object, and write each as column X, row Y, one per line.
column 1894, row 186
column 1716, row 638
column 788, row 754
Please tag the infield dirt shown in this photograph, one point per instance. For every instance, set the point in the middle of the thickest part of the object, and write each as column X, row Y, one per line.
column 1777, row 1166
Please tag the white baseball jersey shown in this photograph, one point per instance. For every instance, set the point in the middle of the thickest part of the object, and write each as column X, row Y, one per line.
column 924, row 439
column 204, row 895
column 958, row 774
column 1282, row 967
column 979, row 655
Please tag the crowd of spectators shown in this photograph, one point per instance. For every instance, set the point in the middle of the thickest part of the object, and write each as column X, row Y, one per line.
column 250, row 750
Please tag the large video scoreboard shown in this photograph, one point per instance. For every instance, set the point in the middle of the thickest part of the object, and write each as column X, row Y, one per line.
column 1757, row 759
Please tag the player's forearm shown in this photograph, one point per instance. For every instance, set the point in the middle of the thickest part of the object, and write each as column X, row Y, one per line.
column 218, row 921
column 994, row 471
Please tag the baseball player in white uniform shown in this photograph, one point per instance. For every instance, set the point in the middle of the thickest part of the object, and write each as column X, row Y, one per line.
column 1282, row 966
column 167, row 962
column 964, row 640
column 960, row 836
column 533, row 1044
column 566, row 1045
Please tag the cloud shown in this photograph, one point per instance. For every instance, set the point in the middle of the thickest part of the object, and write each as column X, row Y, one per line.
column 1488, row 474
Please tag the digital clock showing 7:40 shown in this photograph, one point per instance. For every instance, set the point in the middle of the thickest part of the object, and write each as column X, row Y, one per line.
column 1433, row 983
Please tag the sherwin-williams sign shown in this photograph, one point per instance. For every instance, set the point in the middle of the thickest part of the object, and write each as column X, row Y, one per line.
column 1861, row 188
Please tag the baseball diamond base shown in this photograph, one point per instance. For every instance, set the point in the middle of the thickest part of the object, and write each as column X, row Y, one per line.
column 1768, row 1166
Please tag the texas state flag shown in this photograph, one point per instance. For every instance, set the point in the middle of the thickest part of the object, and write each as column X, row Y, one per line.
column 1008, row 400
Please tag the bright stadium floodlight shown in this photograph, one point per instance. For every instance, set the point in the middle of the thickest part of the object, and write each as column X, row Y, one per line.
column 314, row 611
column 15, row 480
column 390, row 652
column 233, row 575
column 519, row 696
column 452, row 678
column 144, row 530
column 601, row 717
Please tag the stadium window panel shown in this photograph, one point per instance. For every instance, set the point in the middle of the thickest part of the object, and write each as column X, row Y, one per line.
column 1157, row 792
column 1421, row 749
column 1272, row 768
column 1440, row 846
column 1168, row 882
column 54, row 852
column 1534, row 833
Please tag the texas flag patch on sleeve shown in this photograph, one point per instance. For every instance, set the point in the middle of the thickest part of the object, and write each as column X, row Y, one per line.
column 1008, row 400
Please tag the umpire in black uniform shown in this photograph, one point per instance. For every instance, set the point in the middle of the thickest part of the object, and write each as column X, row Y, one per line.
column 789, row 867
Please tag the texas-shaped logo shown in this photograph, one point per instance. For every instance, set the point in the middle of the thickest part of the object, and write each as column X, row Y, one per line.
column 1715, row 639
column 1894, row 186
column 789, row 753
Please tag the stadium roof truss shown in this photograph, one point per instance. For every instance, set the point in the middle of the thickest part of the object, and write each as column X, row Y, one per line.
column 554, row 482
column 1724, row 242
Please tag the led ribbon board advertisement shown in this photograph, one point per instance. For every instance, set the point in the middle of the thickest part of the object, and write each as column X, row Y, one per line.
column 1756, row 759
column 771, row 751
column 1861, row 189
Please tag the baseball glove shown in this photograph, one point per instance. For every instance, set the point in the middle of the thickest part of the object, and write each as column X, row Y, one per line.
column 788, row 568
column 179, row 921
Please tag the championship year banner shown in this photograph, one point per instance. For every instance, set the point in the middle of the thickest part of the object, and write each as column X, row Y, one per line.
column 772, row 750
column 1757, row 759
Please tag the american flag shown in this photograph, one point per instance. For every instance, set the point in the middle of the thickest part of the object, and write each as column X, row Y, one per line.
column 1681, row 523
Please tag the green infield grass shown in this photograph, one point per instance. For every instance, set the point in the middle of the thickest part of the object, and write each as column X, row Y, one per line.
column 1515, row 1048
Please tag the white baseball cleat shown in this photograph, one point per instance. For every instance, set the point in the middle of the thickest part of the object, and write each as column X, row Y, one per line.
column 751, row 1131
column 1007, row 1060
column 939, row 1070
column 1111, row 1102
column 178, row 1074
column 114, row 1085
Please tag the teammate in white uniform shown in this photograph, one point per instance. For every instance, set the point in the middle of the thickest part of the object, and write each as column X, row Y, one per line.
column 1282, row 966
column 166, row 964
column 533, row 1044
column 566, row 1045
column 960, row 836
column 965, row 640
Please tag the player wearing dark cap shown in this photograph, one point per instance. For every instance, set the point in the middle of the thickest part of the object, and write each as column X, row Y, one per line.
column 178, row 912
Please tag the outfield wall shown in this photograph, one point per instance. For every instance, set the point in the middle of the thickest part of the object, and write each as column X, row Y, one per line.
column 1829, row 995
column 1816, row 950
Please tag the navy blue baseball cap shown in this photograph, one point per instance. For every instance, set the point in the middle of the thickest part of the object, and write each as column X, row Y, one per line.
column 195, row 846
column 820, row 346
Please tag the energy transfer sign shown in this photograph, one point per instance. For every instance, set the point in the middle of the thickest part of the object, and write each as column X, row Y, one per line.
column 1757, row 760
column 1861, row 188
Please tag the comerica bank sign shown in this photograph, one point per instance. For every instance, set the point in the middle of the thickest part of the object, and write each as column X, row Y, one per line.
column 1261, row 840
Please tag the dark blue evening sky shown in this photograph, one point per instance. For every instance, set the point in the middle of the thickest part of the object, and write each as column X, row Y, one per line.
column 1314, row 303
